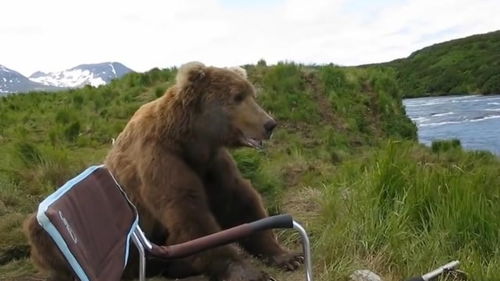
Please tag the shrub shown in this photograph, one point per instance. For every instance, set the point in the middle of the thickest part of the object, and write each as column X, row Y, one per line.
column 445, row 145
column 28, row 153
column 159, row 91
column 72, row 131
column 64, row 116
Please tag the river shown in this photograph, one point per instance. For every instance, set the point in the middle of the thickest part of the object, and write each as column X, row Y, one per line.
column 474, row 120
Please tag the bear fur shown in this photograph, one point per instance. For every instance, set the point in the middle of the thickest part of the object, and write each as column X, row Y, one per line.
column 173, row 162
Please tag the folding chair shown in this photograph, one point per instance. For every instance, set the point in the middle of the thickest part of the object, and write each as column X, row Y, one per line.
column 92, row 222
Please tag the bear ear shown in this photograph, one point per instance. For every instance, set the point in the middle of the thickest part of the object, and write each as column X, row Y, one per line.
column 238, row 70
column 190, row 72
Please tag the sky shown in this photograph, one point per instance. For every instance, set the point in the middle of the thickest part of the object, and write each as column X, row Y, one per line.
column 54, row 35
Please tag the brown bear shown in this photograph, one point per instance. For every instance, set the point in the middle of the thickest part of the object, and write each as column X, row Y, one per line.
column 172, row 160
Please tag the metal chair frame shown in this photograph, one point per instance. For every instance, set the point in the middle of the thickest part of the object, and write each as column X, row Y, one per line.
column 144, row 246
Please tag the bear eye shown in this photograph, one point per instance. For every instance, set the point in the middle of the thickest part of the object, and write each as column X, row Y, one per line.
column 239, row 97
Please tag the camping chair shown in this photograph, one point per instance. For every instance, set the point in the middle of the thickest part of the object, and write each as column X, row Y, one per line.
column 92, row 222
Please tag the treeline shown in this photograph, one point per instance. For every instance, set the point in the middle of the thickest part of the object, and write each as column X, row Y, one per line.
column 462, row 66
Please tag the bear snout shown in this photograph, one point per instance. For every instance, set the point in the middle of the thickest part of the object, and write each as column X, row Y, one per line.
column 269, row 127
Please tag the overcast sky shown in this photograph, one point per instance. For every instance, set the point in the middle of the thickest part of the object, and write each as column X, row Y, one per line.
column 52, row 35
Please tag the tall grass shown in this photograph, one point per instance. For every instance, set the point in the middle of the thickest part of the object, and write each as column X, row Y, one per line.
column 285, row 94
column 403, row 210
column 399, row 209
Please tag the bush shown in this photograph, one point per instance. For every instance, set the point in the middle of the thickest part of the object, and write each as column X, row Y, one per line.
column 72, row 131
column 159, row 91
column 28, row 153
column 445, row 145
column 77, row 101
column 64, row 116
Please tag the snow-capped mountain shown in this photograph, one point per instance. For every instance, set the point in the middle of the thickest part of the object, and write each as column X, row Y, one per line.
column 79, row 76
column 12, row 82
column 86, row 74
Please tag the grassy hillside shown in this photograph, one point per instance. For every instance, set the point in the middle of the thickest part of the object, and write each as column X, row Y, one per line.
column 402, row 210
column 467, row 65
column 344, row 161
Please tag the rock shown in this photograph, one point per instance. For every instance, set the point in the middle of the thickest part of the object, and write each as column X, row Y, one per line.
column 364, row 275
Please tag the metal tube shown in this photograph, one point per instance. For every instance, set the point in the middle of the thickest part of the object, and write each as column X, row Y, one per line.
column 447, row 267
column 306, row 246
column 142, row 256
column 142, row 238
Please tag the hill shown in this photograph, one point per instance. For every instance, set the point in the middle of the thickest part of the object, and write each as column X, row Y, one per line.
column 344, row 161
column 467, row 65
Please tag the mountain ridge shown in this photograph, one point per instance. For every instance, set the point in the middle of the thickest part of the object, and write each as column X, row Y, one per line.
column 12, row 81
column 95, row 74
column 84, row 74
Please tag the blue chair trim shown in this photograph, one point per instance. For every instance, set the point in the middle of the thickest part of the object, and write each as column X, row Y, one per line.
column 45, row 223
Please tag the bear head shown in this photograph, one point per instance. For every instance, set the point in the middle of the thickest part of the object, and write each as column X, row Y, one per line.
column 223, row 106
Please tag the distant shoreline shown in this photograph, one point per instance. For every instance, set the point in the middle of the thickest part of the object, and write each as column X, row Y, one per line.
column 431, row 95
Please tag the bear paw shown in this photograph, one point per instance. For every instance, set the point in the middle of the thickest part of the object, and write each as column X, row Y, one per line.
column 287, row 260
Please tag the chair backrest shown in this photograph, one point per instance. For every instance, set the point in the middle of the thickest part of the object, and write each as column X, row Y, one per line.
column 91, row 221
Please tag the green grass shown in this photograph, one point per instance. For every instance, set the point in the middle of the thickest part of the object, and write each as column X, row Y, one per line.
column 403, row 210
column 47, row 138
column 397, row 208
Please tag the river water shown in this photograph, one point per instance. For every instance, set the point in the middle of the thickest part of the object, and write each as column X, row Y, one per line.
column 474, row 120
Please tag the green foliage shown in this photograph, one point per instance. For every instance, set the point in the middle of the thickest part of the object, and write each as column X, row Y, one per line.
column 467, row 65
column 330, row 121
column 64, row 116
column 46, row 138
column 390, row 104
column 262, row 63
column 254, row 166
column 492, row 85
column 403, row 210
column 445, row 145
column 78, row 101
column 159, row 91
column 71, row 132
column 28, row 153
column 284, row 94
